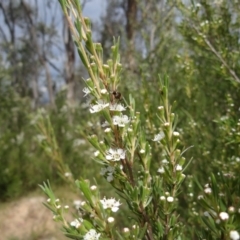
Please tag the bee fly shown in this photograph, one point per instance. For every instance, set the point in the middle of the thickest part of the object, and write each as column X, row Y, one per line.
column 117, row 95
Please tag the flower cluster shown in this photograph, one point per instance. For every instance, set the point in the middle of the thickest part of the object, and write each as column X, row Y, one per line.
column 76, row 223
column 99, row 106
column 115, row 154
column 121, row 121
column 110, row 203
column 92, row 235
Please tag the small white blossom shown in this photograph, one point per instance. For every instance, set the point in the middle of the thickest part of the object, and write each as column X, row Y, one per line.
column 86, row 91
column 231, row 209
column 96, row 153
column 234, row 235
column 121, row 121
column 200, row 197
column 110, row 219
column 104, row 91
column 67, row 174
column 66, row 207
column 217, row 221
column 98, row 107
column 110, row 203
column 208, row 190
column 93, row 187
column 224, row 216
column 158, row 137
column 76, row 223
column 83, row 203
column 77, row 204
column 107, row 130
column 125, row 230
column 142, row 151
column 178, row 168
column 161, row 170
column 115, row 154
column 117, row 107
column 165, row 161
column 176, row 134
column 170, row 199
column 163, row 198
column 206, row 214
column 92, row 235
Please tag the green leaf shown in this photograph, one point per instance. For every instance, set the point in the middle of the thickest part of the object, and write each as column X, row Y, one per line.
column 210, row 223
column 142, row 232
column 84, row 187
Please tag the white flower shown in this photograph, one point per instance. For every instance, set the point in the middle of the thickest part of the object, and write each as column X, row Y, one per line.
column 117, row 107
column 130, row 129
column 158, row 137
column 86, row 91
column 107, row 130
column 67, row 174
column 176, row 134
column 77, row 204
column 208, row 190
column 110, row 203
column 93, row 187
column 161, row 170
column 125, row 230
column 234, row 235
column 206, row 214
column 200, row 197
column 121, row 121
column 178, row 168
column 163, row 198
column 170, row 199
column 92, row 235
column 115, row 154
column 104, row 91
column 231, row 209
column 217, row 221
column 96, row 153
column 224, row 216
column 76, row 223
column 165, row 161
column 142, row 151
column 98, row 107
column 110, row 219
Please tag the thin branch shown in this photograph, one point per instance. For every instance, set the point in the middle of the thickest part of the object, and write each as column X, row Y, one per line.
column 220, row 58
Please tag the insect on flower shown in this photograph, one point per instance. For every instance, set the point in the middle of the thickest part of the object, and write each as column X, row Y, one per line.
column 117, row 95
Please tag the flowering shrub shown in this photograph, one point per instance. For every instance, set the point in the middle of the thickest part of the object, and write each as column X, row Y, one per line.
column 150, row 196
